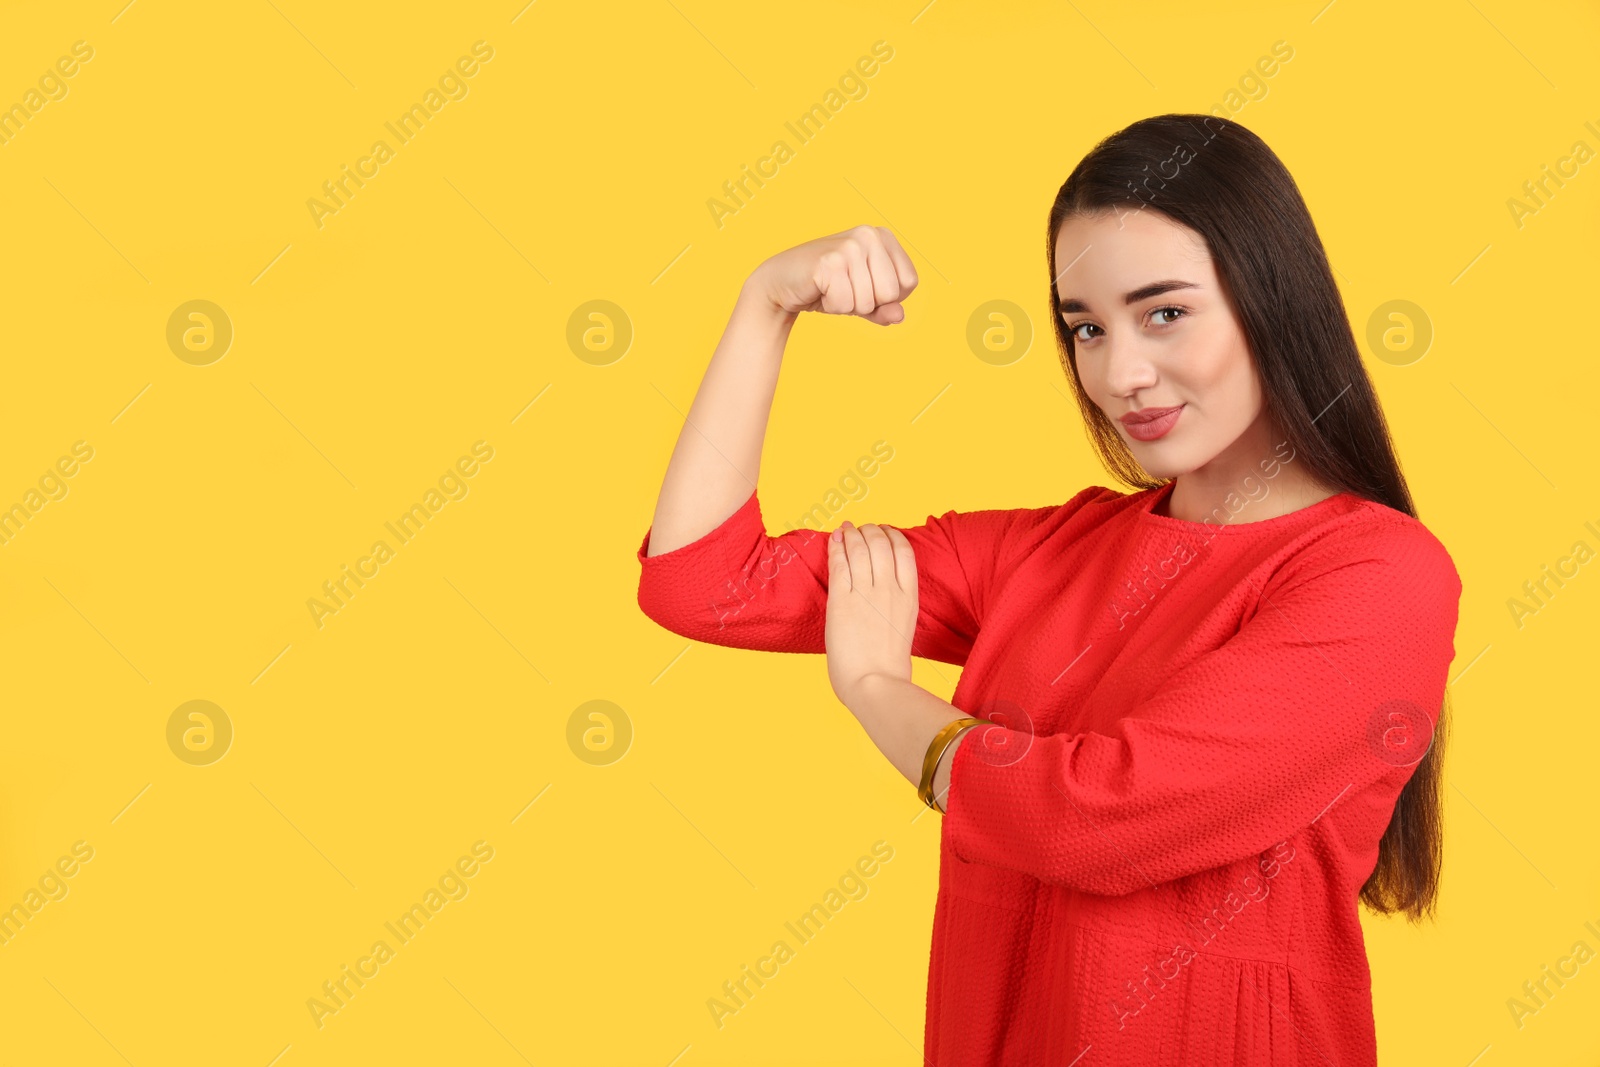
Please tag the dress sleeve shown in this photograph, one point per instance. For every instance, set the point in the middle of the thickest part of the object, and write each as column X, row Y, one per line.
column 740, row 587
column 1332, row 685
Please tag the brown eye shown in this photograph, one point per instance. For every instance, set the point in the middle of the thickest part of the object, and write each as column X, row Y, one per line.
column 1178, row 310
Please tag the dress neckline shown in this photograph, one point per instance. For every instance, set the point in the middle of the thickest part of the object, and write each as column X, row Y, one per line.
column 1339, row 503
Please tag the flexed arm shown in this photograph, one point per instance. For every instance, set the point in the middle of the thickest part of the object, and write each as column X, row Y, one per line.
column 708, row 568
column 861, row 271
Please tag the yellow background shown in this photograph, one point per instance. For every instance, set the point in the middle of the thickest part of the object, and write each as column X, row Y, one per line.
column 433, row 308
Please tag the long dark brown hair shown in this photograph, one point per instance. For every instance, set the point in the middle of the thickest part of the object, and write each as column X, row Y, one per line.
column 1222, row 181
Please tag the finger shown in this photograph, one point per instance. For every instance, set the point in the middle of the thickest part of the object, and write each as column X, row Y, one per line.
column 887, row 314
column 838, row 566
column 833, row 282
column 905, row 273
column 860, row 275
column 881, row 551
column 885, row 281
column 855, row 547
column 905, row 561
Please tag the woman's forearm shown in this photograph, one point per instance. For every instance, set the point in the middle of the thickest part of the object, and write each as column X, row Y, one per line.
column 715, row 464
column 902, row 718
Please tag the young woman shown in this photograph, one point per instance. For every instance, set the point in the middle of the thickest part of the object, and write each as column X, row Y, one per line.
column 1210, row 709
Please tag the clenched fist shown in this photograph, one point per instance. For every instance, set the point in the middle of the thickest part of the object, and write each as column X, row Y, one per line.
column 860, row 271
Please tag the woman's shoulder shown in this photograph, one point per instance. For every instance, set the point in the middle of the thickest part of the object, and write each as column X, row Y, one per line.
column 1092, row 505
column 1012, row 533
column 1093, row 512
column 1373, row 535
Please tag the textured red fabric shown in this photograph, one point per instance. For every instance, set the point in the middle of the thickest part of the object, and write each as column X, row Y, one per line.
column 1157, row 857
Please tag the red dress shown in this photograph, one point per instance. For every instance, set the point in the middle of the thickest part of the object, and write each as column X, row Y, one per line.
column 1155, row 858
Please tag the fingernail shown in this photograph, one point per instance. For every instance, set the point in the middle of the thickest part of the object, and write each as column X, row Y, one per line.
column 837, row 535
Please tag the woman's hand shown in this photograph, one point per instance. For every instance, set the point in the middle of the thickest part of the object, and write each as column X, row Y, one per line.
column 860, row 271
column 872, row 606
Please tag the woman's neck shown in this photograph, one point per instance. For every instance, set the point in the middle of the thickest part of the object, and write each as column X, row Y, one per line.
column 1250, row 499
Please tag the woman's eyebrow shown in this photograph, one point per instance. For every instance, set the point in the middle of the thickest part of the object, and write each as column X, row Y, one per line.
column 1144, row 292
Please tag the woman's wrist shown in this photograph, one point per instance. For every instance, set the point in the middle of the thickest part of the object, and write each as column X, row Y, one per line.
column 941, row 771
column 755, row 299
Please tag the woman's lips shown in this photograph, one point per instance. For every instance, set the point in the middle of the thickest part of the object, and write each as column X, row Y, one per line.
column 1142, row 428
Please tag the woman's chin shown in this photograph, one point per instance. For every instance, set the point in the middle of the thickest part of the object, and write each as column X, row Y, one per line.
column 1158, row 466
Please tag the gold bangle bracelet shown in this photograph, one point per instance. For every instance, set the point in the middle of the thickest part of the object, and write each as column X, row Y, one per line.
column 936, row 747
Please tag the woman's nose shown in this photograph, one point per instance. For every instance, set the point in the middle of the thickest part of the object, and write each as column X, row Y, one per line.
column 1127, row 367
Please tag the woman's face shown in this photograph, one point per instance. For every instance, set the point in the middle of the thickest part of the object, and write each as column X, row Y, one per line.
column 1183, row 347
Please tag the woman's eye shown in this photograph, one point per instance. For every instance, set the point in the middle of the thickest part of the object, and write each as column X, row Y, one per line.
column 1160, row 311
